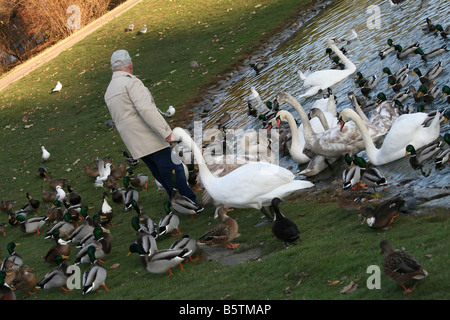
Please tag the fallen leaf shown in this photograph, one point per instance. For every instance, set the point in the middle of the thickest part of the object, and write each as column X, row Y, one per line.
column 332, row 283
column 349, row 288
column 114, row 266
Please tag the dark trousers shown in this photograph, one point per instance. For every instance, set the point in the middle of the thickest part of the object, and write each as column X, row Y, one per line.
column 161, row 165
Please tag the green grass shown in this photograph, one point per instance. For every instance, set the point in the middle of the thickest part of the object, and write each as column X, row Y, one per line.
column 219, row 35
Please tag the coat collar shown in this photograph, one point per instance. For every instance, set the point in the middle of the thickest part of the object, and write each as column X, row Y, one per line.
column 117, row 74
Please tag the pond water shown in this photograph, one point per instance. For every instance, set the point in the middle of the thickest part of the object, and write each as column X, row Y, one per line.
column 305, row 49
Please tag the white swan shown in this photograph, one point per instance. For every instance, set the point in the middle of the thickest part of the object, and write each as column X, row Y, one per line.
column 323, row 79
column 407, row 129
column 252, row 185
column 333, row 142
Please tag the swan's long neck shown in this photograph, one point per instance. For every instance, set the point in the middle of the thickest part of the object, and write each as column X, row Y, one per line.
column 294, row 130
column 307, row 129
column 204, row 171
column 348, row 64
column 370, row 148
column 358, row 109
column 323, row 120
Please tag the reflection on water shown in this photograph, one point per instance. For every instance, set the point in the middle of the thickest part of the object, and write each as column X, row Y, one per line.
column 306, row 50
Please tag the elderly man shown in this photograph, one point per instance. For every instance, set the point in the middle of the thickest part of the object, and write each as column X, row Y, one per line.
column 142, row 128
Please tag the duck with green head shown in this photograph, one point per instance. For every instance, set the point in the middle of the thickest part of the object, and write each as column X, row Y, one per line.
column 404, row 52
column 170, row 222
column 101, row 244
column 446, row 92
column 14, row 258
column 62, row 247
column 418, row 157
column 432, row 53
column 6, row 293
column 444, row 32
column 390, row 48
column 398, row 84
column 95, row 275
column 143, row 238
column 430, row 75
column 428, row 95
column 57, row 278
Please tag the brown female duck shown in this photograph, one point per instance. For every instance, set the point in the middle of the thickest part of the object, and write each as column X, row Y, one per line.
column 222, row 234
column 400, row 266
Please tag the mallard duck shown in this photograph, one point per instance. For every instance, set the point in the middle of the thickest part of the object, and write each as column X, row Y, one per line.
column 41, row 172
column 32, row 205
column 31, row 225
column 129, row 193
column 161, row 261
column 130, row 160
column 62, row 247
column 185, row 242
column 368, row 85
column 398, row 84
column 446, row 91
column 390, row 48
column 444, row 155
column 45, row 154
column 95, row 275
column 25, row 280
column 47, row 196
column 428, row 94
column 222, row 234
column 400, row 266
column 382, row 215
column 139, row 180
column 145, row 222
column 106, row 212
column 73, row 197
column 429, row 27
column 57, row 278
column 83, row 230
column 251, row 111
column 143, row 237
column 444, row 33
column 169, row 222
column 370, row 176
column 259, row 65
column 406, row 51
column 6, row 293
column 91, row 172
column 351, row 176
column 117, row 172
column 430, row 75
column 283, row 228
column 397, row 75
column 417, row 157
column 101, row 244
column 55, row 211
column 6, row 205
column 53, row 182
column 14, row 259
column 64, row 227
column 432, row 53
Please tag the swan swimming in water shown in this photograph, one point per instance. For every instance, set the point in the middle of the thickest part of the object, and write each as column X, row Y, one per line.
column 323, row 79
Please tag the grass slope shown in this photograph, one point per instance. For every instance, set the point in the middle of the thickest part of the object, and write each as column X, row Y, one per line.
column 218, row 34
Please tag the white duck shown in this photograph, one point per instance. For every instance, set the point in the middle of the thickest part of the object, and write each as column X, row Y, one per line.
column 45, row 154
column 407, row 129
column 323, row 79
column 333, row 142
column 252, row 185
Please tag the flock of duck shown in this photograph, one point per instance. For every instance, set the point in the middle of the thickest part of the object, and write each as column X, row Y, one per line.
column 384, row 130
column 248, row 180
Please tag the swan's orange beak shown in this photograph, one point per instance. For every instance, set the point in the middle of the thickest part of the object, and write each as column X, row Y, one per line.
column 278, row 122
column 342, row 123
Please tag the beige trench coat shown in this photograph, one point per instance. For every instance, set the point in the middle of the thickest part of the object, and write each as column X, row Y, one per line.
column 139, row 123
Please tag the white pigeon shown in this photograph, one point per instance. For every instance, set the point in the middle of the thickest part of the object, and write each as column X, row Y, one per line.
column 60, row 194
column 131, row 26
column 144, row 29
column 169, row 113
column 104, row 174
column 45, row 154
column 58, row 87
column 98, row 183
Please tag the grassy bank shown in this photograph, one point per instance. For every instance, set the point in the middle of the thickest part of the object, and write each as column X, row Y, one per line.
column 218, row 35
